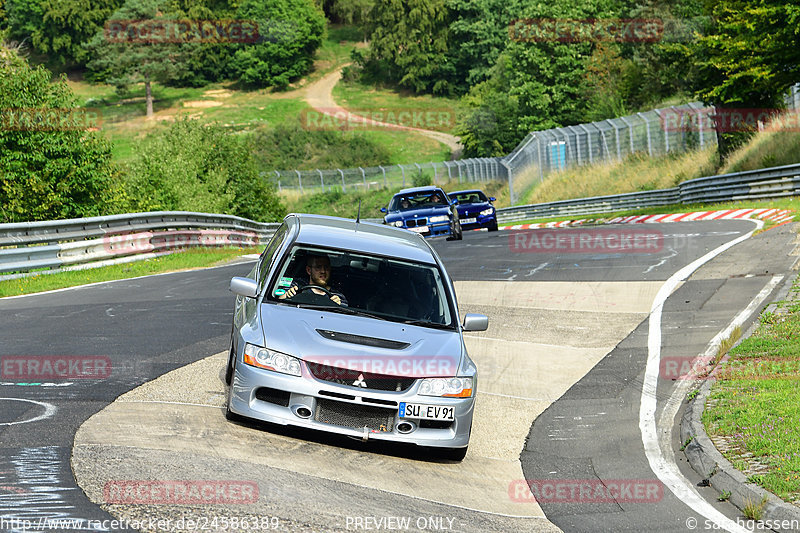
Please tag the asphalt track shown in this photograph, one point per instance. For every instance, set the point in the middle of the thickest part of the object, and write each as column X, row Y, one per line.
column 586, row 424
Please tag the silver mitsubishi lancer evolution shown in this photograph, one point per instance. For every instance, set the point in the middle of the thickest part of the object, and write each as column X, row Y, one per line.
column 353, row 328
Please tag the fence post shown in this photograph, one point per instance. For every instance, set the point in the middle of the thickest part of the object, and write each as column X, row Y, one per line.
column 404, row 175
column 616, row 134
column 384, row 176
column 666, row 130
column 458, row 164
column 279, row 180
column 299, row 180
column 630, row 130
column 321, row 180
column 539, row 155
column 419, row 169
column 363, row 177
column 449, row 173
column 647, row 126
column 588, row 141
column 511, row 197
column 434, row 172
column 342, row 174
column 700, row 125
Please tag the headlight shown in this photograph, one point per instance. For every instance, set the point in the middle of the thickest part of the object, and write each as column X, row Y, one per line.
column 442, row 218
column 453, row 387
column 271, row 360
column 487, row 211
column 398, row 223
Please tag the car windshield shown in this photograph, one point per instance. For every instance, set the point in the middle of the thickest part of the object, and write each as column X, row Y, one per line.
column 469, row 197
column 386, row 288
column 417, row 200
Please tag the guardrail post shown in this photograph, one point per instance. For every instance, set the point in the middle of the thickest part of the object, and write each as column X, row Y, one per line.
column 341, row 172
column 385, row 184
column 299, row 180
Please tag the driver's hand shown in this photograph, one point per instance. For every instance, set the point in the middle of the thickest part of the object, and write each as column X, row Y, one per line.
column 290, row 292
column 335, row 299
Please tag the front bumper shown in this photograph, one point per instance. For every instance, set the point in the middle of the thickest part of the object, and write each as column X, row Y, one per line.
column 278, row 398
column 434, row 230
column 481, row 221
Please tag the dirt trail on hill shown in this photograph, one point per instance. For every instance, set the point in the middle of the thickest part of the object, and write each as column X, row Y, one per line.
column 319, row 95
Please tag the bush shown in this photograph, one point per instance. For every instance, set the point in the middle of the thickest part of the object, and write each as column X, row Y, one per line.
column 421, row 179
column 196, row 167
column 48, row 170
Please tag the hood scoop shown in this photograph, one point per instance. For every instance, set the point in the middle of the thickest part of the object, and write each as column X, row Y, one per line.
column 365, row 341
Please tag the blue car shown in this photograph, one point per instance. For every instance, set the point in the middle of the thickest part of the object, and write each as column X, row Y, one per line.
column 475, row 209
column 424, row 210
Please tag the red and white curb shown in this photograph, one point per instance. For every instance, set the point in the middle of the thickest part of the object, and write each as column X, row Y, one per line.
column 774, row 215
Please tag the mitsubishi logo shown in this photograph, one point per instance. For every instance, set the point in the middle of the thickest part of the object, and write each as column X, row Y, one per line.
column 360, row 381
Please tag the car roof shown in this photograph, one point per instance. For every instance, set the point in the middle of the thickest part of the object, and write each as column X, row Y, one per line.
column 466, row 191
column 414, row 190
column 367, row 237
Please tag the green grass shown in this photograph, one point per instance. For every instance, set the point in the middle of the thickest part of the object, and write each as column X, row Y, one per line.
column 755, row 403
column 430, row 112
column 188, row 259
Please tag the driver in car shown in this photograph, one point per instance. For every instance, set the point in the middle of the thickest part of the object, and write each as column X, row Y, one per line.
column 318, row 268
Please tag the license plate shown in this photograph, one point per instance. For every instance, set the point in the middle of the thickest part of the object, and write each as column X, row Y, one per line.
column 426, row 412
column 419, row 229
column 468, row 220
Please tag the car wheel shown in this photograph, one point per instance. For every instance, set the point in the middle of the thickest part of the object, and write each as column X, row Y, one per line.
column 229, row 367
column 493, row 226
column 459, row 231
column 453, row 454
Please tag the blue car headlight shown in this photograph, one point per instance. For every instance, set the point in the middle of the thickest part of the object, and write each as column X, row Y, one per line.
column 486, row 212
column 440, row 218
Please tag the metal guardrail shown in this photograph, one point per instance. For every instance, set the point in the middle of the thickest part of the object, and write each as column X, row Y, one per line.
column 114, row 239
column 776, row 182
column 120, row 238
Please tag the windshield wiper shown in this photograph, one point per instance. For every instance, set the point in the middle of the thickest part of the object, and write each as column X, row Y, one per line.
column 340, row 309
column 426, row 324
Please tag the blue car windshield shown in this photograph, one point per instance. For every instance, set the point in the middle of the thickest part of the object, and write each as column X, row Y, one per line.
column 386, row 288
column 470, row 197
column 417, row 201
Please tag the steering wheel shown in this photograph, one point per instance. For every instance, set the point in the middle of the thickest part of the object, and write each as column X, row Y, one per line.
column 306, row 287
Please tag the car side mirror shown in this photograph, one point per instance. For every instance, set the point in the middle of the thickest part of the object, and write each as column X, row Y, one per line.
column 455, row 201
column 492, row 198
column 384, row 210
column 244, row 287
column 475, row 322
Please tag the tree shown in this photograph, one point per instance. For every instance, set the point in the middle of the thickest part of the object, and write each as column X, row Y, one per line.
column 196, row 167
column 290, row 31
column 51, row 166
column 409, row 44
column 748, row 59
column 123, row 55
column 478, row 34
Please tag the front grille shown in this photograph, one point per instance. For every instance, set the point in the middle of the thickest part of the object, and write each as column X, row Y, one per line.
column 278, row 397
column 360, row 380
column 413, row 222
column 353, row 415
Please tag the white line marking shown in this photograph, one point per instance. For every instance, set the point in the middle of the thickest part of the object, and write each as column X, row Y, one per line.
column 665, row 470
column 49, row 410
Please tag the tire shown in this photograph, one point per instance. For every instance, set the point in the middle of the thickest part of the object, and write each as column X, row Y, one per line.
column 453, row 454
column 493, row 226
column 229, row 367
column 458, row 233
